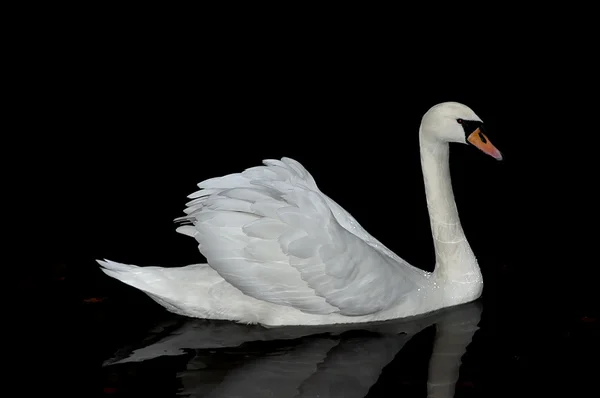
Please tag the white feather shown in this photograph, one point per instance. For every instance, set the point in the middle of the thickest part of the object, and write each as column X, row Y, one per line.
column 293, row 241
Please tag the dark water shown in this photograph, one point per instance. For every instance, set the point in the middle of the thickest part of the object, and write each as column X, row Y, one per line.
column 111, row 340
column 197, row 358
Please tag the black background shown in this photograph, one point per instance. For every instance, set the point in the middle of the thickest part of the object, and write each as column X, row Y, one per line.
column 118, row 121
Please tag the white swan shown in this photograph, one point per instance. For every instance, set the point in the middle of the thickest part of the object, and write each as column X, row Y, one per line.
column 280, row 252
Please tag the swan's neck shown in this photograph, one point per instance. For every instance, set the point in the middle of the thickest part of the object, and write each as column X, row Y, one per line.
column 455, row 261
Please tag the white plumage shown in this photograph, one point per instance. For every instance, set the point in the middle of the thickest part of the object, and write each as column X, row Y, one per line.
column 281, row 252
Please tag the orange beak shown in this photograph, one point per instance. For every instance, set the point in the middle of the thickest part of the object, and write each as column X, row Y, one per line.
column 478, row 139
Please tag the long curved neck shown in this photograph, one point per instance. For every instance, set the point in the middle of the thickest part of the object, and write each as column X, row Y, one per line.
column 455, row 260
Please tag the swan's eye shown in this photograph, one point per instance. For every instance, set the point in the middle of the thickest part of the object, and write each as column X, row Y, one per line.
column 459, row 121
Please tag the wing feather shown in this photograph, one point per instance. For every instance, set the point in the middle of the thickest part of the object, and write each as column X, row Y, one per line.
column 270, row 232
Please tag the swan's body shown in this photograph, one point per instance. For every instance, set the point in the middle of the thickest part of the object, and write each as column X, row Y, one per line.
column 280, row 252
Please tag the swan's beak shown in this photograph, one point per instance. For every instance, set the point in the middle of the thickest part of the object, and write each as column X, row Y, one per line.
column 479, row 139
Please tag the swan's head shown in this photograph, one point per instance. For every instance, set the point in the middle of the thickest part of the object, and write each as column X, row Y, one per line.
column 455, row 122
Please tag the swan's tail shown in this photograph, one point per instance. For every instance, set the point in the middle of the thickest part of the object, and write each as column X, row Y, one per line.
column 170, row 287
column 195, row 290
column 150, row 280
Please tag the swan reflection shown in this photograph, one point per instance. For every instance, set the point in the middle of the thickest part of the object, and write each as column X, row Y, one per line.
column 232, row 360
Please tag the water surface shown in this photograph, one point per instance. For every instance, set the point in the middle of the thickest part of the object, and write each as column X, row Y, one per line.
column 200, row 358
